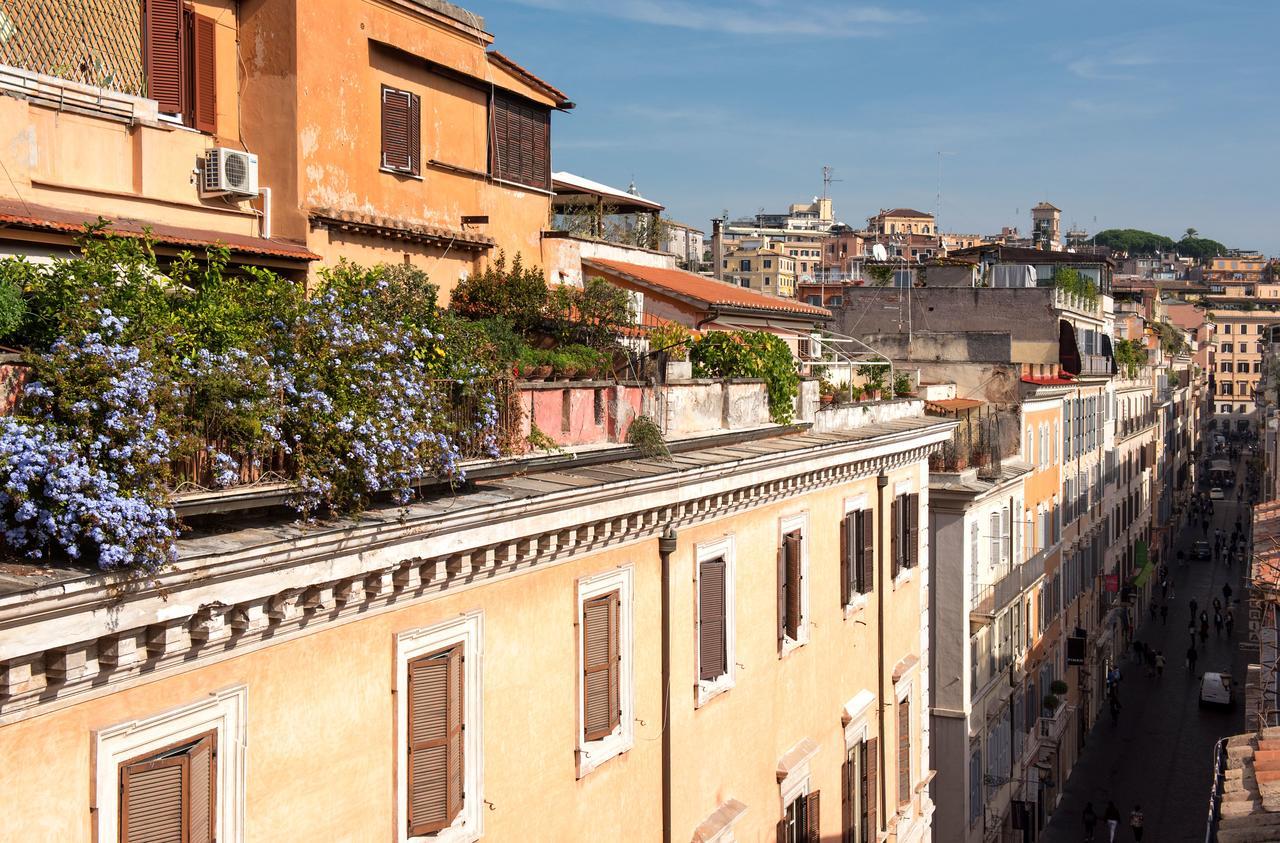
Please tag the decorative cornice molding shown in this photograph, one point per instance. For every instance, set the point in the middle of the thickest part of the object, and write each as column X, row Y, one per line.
column 180, row 629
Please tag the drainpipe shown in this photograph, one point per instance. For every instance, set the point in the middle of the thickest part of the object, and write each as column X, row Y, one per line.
column 666, row 546
column 265, row 228
column 711, row 316
column 882, row 480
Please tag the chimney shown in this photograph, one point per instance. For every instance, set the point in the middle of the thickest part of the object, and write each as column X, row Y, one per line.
column 717, row 248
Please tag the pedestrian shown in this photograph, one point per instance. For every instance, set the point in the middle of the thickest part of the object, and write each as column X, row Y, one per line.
column 1194, row 606
column 1217, row 624
column 1204, row 627
column 1115, row 709
column 1226, row 592
column 1135, row 823
column 1153, row 609
column 1160, row 663
column 1230, row 621
column 1090, row 819
column 1164, row 614
column 1217, row 605
column 1112, row 816
column 1191, row 658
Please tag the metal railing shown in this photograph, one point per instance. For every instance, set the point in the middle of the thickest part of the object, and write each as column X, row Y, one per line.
column 97, row 42
column 991, row 598
column 1215, row 791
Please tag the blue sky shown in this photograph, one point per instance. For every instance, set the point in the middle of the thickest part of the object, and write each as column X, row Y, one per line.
column 1155, row 115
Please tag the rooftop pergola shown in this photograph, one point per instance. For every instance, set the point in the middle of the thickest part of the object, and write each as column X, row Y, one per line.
column 575, row 192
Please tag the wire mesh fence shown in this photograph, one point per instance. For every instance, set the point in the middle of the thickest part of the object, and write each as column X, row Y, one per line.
column 97, row 42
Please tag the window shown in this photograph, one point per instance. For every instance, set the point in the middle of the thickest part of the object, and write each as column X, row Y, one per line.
column 439, row 774
column 180, row 773
column 179, row 57
column 768, row 263
column 857, row 554
column 170, row 795
column 858, row 793
column 605, row 723
column 1228, row 348
column 401, row 121
column 520, row 148
column 1225, row 366
column 975, row 784
column 906, row 536
column 715, row 618
column 744, row 265
column 904, row 750
column 437, row 692
column 799, row 823
column 993, row 537
column 1226, row 329
column 793, row 586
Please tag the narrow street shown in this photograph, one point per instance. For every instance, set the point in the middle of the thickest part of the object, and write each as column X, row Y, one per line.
column 1160, row 755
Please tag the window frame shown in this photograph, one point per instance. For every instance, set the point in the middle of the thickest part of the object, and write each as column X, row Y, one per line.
column 467, row 631
column 722, row 548
column 858, row 508
column 591, row 754
column 158, row 757
column 789, row 524
column 223, row 712
column 413, row 108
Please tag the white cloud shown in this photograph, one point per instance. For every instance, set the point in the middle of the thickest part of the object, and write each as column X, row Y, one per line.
column 829, row 18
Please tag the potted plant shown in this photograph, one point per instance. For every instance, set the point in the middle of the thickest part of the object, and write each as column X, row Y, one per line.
column 672, row 339
column 1058, row 687
column 1051, row 703
column 902, row 385
column 826, row 391
column 874, row 380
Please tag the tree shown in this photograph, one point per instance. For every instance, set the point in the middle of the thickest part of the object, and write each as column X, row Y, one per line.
column 1200, row 248
column 1191, row 234
column 1133, row 241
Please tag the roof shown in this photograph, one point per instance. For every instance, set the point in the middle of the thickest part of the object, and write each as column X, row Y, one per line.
column 568, row 183
column 706, row 292
column 1024, row 254
column 24, row 215
column 561, row 98
column 903, row 212
column 1249, row 808
column 401, row 229
column 1045, row 206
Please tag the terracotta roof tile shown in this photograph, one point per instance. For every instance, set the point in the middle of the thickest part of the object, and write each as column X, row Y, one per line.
column 561, row 98
column 24, row 215
column 708, row 292
column 401, row 229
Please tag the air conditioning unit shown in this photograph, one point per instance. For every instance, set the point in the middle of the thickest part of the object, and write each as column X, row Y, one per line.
column 230, row 171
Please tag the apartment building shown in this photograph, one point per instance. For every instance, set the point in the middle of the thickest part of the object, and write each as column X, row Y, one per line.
column 1237, row 366
column 761, row 265
column 207, row 122
column 641, row 630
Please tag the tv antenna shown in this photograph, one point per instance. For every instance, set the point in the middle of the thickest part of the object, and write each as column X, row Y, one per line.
column 827, row 179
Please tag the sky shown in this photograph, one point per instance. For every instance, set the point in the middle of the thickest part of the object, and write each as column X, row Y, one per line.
column 1151, row 114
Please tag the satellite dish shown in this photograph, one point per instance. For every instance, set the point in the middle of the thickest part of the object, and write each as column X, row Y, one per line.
column 879, row 252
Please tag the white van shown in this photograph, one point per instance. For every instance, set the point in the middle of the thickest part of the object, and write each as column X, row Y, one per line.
column 1217, row 689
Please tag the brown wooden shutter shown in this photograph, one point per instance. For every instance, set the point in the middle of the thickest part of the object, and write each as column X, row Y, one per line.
column 867, row 581
column 520, row 142
column 846, row 552
column 153, row 800
column 397, row 118
column 712, row 638
column 847, row 800
column 895, row 535
column 811, row 833
column 782, row 830
column 435, row 740
column 415, row 135
column 904, row 752
column 163, row 53
column 203, row 797
column 791, row 560
column 205, row 81
column 600, row 698
column 871, row 786
column 913, row 530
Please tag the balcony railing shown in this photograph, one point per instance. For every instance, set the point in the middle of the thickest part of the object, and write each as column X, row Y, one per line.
column 1053, row 723
column 1063, row 300
column 992, row 598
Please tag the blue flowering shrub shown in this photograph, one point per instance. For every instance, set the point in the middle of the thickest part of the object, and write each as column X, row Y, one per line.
column 146, row 379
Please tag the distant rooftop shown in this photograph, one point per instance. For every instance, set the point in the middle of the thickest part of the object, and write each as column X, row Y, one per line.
column 450, row 10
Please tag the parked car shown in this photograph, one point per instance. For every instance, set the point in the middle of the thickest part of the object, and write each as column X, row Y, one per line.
column 1200, row 550
column 1215, row 494
column 1217, row 689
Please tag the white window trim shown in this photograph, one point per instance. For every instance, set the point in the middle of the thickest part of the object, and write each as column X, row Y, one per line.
column 720, row 548
column 857, row 602
column 906, row 574
column 224, row 712
column 858, row 710
column 467, row 630
column 796, row 781
column 591, row 754
column 786, row 525
column 902, row 692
